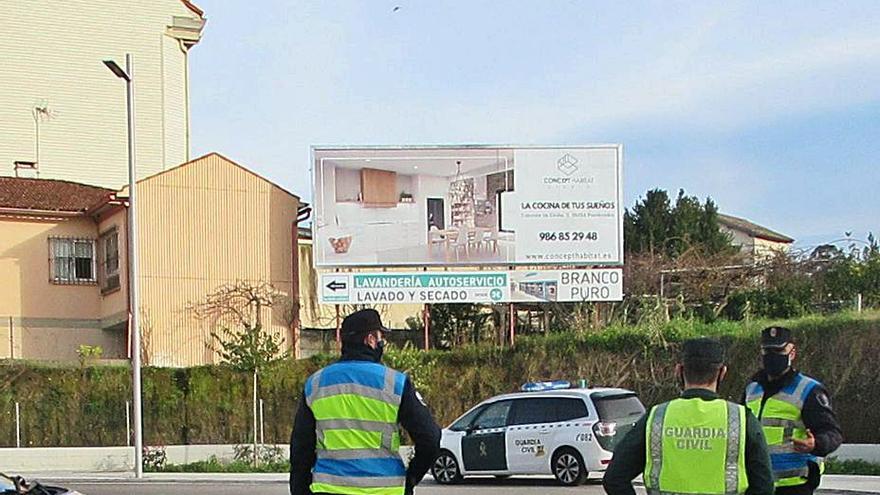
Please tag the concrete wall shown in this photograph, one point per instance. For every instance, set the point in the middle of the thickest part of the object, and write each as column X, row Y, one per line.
column 52, row 53
column 67, row 459
column 114, row 459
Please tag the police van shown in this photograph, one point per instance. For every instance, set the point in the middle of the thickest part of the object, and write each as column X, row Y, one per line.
column 549, row 428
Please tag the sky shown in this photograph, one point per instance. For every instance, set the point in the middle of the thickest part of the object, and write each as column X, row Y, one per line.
column 772, row 110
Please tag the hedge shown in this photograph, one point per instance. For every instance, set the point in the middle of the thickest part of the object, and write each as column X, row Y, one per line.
column 211, row 404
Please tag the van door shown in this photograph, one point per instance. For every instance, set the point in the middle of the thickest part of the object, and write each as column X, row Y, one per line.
column 484, row 446
column 529, row 434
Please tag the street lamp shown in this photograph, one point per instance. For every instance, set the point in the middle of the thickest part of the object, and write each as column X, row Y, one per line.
column 128, row 76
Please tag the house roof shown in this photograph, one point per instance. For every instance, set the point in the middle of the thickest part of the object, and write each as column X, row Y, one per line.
column 752, row 229
column 49, row 195
column 194, row 8
column 124, row 191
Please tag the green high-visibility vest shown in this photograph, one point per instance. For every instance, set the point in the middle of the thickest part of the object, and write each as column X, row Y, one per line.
column 356, row 404
column 781, row 420
column 696, row 446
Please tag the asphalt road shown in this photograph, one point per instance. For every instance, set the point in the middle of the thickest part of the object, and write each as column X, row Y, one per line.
column 478, row 486
column 487, row 486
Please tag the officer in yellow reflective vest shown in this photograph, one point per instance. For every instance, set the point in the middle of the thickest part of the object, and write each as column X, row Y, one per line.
column 795, row 412
column 698, row 443
column 345, row 436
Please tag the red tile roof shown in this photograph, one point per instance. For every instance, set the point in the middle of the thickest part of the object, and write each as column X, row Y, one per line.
column 49, row 195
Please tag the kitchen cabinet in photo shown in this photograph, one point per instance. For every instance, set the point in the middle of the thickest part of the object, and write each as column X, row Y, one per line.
column 379, row 188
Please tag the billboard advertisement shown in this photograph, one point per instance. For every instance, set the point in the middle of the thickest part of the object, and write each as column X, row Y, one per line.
column 484, row 286
column 467, row 206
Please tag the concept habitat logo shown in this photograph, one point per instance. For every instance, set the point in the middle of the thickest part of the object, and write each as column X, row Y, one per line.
column 568, row 165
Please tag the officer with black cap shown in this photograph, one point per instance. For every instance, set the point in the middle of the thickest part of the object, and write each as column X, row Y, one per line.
column 796, row 414
column 345, row 436
column 697, row 443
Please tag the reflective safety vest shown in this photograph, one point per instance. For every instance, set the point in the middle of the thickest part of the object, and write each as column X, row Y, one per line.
column 781, row 420
column 696, row 446
column 355, row 404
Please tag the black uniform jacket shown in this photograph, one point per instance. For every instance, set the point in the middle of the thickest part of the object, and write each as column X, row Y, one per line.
column 818, row 417
column 629, row 455
column 413, row 415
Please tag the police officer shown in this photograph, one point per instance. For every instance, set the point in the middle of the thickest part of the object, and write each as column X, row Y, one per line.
column 698, row 443
column 796, row 415
column 345, row 436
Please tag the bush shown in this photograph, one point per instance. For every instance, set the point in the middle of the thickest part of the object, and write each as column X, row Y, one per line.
column 211, row 404
column 854, row 467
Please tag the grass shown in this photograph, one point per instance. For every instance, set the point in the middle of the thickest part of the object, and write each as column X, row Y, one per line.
column 214, row 465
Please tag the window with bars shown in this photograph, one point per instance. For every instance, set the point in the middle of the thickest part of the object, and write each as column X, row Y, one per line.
column 109, row 255
column 72, row 261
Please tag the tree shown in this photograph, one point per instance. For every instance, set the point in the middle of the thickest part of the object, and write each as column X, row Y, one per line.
column 453, row 325
column 239, row 337
column 656, row 227
column 647, row 227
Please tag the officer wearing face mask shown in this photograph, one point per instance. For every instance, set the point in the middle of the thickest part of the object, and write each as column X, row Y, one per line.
column 698, row 443
column 795, row 413
column 345, row 436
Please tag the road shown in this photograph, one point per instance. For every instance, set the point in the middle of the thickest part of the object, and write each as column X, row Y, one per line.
column 478, row 486
column 487, row 486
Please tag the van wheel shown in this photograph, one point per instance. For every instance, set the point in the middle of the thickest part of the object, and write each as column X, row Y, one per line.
column 568, row 467
column 445, row 469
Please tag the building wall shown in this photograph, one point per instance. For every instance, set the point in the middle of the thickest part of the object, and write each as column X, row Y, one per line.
column 46, row 320
column 739, row 238
column 755, row 247
column 314, row 315
column 114, row 305
column 203, row 225
column 52, row 53
column 764, row 248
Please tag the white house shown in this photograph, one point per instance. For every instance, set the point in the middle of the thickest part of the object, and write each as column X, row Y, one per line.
column 63, row 109
column 753, row 239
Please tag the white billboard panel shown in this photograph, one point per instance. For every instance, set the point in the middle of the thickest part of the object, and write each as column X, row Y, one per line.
column 467, row 205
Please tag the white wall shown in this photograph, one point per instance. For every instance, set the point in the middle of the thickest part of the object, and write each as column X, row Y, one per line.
column 53, row 51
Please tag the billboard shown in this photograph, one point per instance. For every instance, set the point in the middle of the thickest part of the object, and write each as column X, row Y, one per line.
column 483, row 286
column 467, row 206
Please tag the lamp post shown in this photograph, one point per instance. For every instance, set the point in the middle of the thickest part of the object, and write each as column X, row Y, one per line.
column 128, row 76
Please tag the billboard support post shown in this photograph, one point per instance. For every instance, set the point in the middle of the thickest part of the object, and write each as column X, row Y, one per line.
column 512, row 321
column 426, row 317
column 338, row 331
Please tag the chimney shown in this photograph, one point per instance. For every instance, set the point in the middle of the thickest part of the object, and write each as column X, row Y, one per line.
column 26, row 169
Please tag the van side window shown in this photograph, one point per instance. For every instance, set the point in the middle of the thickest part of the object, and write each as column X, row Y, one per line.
column 532, row 411
column 494, row 416
column 467, row 420
column 569, row 409
column 547, row 410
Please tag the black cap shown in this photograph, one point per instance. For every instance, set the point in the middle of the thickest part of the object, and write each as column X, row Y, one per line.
column 703, row 349
column 775, row 337
column 358, row 324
